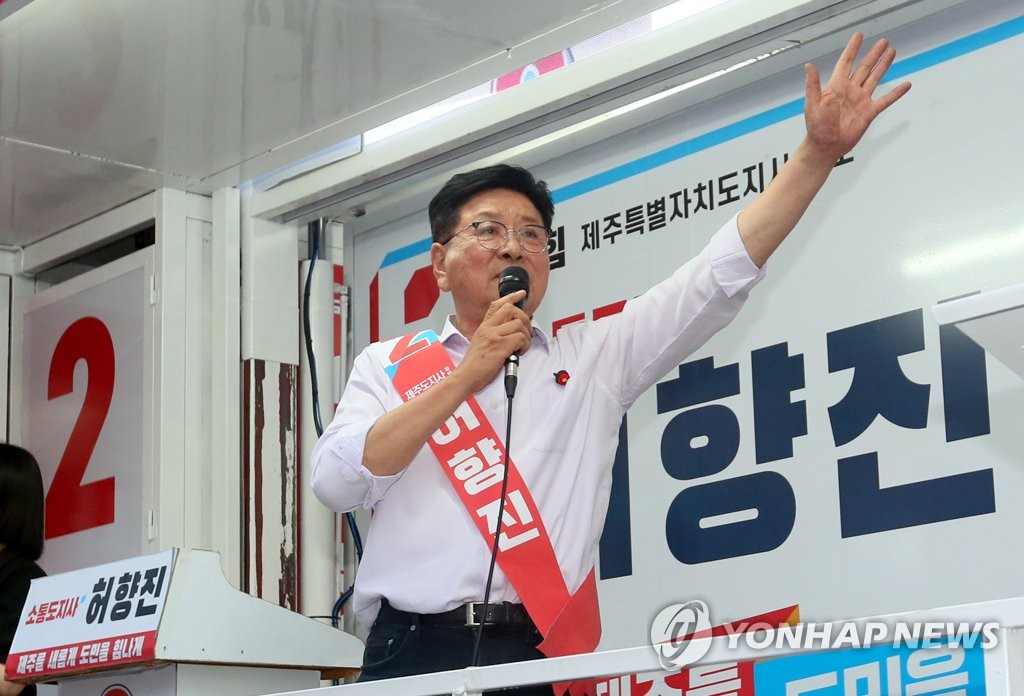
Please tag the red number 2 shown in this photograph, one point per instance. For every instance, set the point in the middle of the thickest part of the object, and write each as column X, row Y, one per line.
column 70, row 506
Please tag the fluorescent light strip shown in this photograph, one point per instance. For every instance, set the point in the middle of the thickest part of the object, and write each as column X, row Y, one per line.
column 676, row 12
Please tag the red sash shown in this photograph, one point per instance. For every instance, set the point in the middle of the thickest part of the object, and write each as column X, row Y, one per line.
column 471, row 454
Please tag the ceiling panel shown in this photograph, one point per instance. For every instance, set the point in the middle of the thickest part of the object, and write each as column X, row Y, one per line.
column 100, row 99
column 45, row 190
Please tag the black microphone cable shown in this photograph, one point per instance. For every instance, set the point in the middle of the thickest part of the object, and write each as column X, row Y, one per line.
column 497, row 534
column 315, row 232
column 514, row 278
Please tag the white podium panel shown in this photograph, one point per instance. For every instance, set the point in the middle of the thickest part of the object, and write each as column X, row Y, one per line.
column 170, row 609
column 190, row 680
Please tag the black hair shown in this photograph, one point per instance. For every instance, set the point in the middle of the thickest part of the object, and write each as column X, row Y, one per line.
column 21, row 502
column 446, row 206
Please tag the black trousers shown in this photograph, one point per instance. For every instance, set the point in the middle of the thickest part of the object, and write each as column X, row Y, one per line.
column 405, row 649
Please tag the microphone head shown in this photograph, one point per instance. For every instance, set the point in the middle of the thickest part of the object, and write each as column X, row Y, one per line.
column 512, row 279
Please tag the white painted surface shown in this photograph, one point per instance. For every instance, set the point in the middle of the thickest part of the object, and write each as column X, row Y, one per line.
column 208, row 621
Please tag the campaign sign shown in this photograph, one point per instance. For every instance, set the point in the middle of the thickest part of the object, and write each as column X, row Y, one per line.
column 834, row 444
column 85, row 396
column 92, row 618
column 719, row 679
column 893, row 670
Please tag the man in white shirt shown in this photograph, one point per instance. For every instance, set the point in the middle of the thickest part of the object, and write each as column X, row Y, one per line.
column 427, row 559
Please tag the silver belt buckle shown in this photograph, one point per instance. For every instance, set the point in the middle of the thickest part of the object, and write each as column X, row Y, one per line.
column 470, row 608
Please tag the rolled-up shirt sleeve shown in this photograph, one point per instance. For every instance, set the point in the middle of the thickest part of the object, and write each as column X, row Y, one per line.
column 339, row 480
column 731, row 265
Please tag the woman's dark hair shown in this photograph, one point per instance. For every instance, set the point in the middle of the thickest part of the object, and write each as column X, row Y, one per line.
column 446, row 206
column 21, row 502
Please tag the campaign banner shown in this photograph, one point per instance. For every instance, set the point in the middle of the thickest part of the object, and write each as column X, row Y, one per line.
column 892, row 670
column 91, row 618
column 911, row 668
column 834, row 447
column 720, row 679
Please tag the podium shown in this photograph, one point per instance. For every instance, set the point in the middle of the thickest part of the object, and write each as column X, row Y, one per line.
column 169, row 624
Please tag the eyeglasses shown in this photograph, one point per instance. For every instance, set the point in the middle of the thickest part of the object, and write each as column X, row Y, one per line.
column 493, row 235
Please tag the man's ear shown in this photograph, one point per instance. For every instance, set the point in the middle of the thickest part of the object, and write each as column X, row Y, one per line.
column 437, row 262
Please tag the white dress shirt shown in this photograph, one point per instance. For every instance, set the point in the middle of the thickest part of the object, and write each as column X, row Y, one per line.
column 423, row 551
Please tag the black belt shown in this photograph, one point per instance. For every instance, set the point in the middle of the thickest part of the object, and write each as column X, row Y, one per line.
column 503, row 613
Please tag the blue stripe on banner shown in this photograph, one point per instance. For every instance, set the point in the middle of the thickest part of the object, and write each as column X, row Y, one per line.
column 928, row 59
column 407, row 252
column 955, row 49
column 680, row 150
column 899, row 70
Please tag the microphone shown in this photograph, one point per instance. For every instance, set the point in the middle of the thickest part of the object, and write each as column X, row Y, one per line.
column 512, row 279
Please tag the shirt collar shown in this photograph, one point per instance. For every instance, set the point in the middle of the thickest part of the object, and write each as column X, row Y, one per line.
column 451, row 333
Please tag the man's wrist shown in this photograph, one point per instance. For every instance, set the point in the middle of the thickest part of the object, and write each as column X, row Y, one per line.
column 815, row 155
